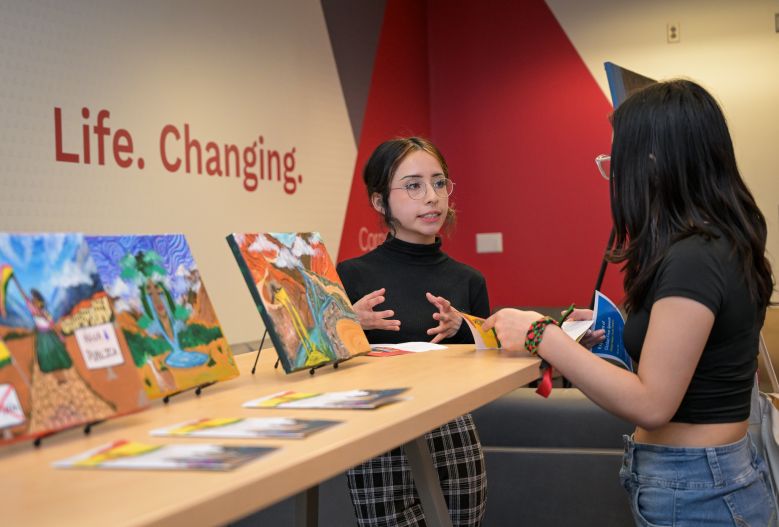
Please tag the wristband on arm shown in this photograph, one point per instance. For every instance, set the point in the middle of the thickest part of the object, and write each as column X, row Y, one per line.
column 533, row 339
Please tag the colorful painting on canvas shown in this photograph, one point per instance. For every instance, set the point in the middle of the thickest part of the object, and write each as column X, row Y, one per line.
column 62, row 361
column 300, row 297
column 164, row 312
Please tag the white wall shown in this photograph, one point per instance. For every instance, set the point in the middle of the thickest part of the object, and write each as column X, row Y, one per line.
column 729, row 47
column 232, row 70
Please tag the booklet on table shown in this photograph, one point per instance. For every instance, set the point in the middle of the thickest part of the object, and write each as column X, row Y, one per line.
column 245, row 428
column 132, row 455
column 352, row 399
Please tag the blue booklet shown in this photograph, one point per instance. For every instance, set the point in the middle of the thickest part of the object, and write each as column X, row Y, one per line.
column 607, row 317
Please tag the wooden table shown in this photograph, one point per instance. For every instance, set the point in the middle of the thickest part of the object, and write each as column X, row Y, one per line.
column 442, row 385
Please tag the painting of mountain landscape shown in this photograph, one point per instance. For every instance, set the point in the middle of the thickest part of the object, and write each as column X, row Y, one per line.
column 163, row 310
column 300, row 297
column 62, row 361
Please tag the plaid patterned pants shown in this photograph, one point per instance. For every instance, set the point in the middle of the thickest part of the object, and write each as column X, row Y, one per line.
column 383, row 492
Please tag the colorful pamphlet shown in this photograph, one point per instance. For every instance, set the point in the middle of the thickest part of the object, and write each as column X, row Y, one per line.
column 164, row 311
column 301, row 299
column 483, row 339
column 245, row 428
column 63, row 362
column 403, row 348
column 131, row 455
column 352, row 399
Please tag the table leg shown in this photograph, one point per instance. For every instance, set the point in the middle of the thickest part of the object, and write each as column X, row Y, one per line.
column 427, row 483
column 307, row 508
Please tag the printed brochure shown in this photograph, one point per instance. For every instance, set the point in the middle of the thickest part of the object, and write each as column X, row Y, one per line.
column 131, row 455
column 352, row 399
column 245, row 428
column 483, row 339
column 606, row 316
column 403, row 348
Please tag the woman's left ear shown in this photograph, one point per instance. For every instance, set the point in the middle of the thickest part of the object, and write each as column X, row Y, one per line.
column 378, row 202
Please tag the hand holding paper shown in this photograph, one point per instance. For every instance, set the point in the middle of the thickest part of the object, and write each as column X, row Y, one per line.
column 483, row 338
column 579, row 328
column 511, row 326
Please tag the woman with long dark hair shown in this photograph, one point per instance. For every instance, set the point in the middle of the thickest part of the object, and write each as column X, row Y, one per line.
column 697, row 285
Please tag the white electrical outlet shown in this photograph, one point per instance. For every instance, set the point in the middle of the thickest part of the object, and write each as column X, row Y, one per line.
column 489, row 242
column 672, row 32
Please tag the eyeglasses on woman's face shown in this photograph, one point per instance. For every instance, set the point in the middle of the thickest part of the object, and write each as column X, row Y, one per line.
column 417, row 187
column 604, row 165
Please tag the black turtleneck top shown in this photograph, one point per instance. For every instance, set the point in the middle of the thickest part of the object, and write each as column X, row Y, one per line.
column 408, row 271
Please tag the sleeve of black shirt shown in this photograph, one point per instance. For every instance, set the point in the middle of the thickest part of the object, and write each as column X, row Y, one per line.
column 349, row 278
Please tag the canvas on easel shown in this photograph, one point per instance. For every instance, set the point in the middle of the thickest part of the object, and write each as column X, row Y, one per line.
column 62, row 361
column 163, row 311
column 300, row 297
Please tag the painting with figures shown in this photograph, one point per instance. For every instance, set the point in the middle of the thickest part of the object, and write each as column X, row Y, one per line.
column 62, row 361
column 300, row 297
column 163, row 311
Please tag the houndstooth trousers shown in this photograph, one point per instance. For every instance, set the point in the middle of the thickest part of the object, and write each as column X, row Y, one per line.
column 383, row 491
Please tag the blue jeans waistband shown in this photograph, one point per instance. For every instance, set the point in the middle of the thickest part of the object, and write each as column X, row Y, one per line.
column 690, row 467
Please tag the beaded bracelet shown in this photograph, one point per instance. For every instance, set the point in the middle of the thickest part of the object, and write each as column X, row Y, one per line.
column 536, row 331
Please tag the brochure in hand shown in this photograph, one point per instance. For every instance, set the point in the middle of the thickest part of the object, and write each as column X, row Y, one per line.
column 131, row 455
column 606, row 316
column 483, row 339
column 352, row 399
column 245, row 428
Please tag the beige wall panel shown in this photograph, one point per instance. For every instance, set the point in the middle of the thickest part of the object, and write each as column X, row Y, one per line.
column 732, row 48
column 233, row 71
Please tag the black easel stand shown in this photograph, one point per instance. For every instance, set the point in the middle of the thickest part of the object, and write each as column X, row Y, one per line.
column 198, row 391
column 87, row 430
column 258, row 353
column 276, row 365
column 313, row 370
column 88, row 427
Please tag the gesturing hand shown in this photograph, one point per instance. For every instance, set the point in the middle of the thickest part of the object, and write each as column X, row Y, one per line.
column 370, row 319
column 449, row 319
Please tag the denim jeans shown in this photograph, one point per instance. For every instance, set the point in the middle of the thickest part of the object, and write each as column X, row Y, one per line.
column 685, row 487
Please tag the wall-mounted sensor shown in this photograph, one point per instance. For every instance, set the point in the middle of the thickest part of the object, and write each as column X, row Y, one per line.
column 672, row 32
column 489, row 242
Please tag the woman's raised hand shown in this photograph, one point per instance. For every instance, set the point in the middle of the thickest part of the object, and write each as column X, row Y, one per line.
column 449, row 319
column 370, row 319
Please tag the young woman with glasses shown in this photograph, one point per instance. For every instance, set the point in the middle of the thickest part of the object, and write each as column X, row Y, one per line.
column 697, row 285
column 405, row 290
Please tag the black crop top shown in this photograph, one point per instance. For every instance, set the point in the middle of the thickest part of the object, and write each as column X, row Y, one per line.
column 704, row 270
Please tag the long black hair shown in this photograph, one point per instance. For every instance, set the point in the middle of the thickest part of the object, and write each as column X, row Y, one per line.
column 383, row 163
column 674, row 174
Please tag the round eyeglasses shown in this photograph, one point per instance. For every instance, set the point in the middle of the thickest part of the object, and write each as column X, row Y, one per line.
column 417, row 189
column 604, row 165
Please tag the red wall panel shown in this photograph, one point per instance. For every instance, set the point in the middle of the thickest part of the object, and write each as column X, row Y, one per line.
column 502, row 91
column 520, row 120
column 398, row 104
